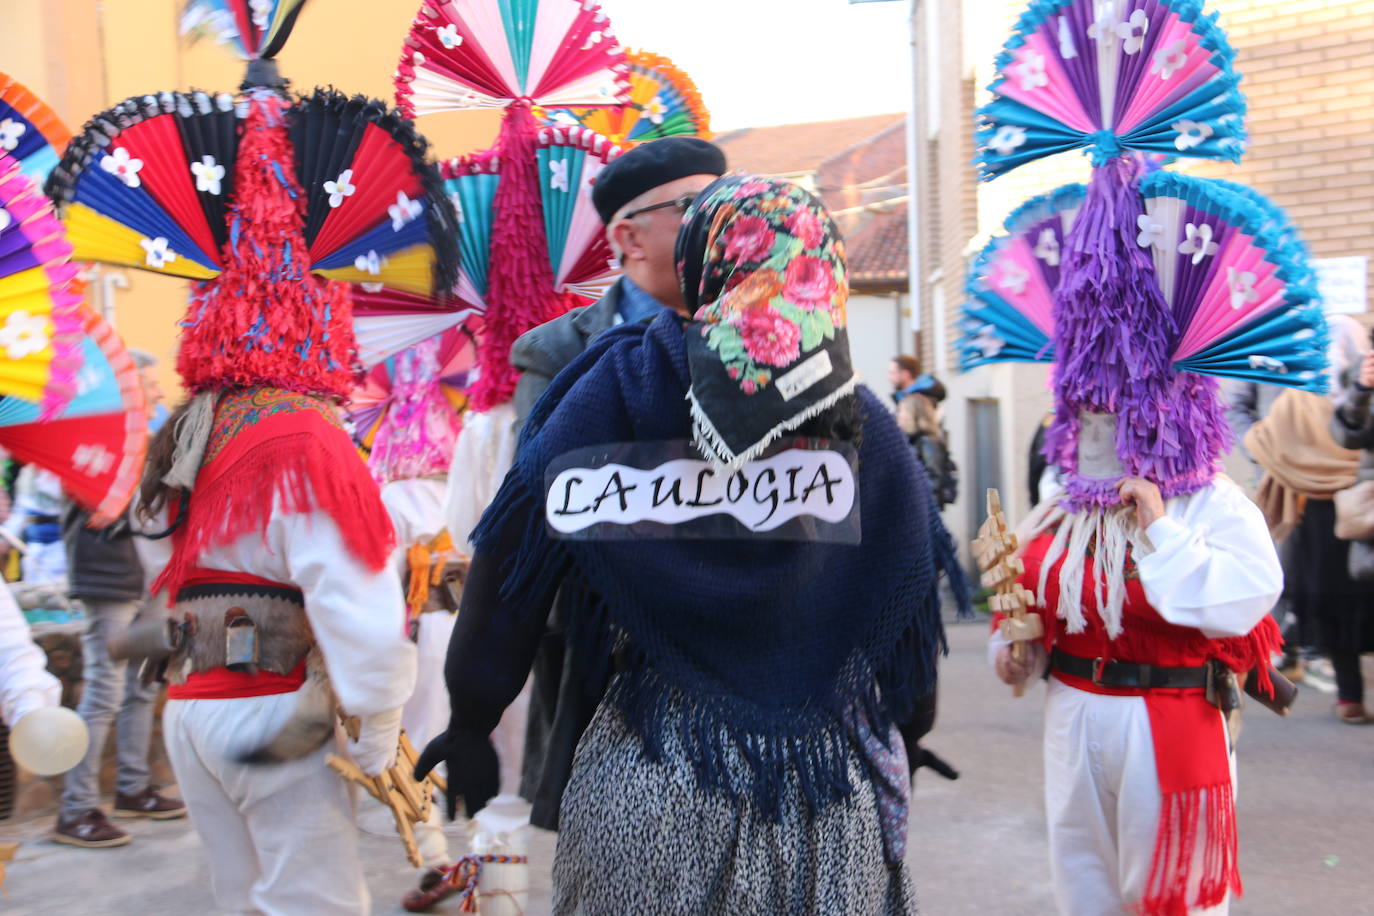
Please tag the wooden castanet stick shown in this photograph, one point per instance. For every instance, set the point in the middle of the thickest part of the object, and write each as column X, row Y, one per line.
column 995, row 551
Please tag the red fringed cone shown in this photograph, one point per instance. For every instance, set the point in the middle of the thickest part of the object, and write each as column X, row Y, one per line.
column 266, row 320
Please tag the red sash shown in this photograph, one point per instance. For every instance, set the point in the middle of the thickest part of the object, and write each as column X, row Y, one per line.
column 1188, row 734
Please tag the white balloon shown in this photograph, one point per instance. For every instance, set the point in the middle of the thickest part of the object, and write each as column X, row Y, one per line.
column 49, row 741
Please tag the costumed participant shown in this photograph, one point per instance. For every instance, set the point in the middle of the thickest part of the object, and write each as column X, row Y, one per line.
column 1299, row 468
column 765, row 657
column 406, row 414
column 532, row 244
column 1154, row 575
column 640, row 198
column 284, row 603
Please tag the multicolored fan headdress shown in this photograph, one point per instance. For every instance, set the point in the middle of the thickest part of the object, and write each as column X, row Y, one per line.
column 664, row 102
column 407, row 410
column 271, row 202
column 530, row 240
column 1144, row 284
column 40, row 295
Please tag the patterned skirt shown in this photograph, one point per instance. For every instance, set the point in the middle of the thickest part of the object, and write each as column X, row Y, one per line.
column 641, row 836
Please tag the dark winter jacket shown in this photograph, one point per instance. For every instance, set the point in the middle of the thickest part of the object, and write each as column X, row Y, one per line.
column 102, row 565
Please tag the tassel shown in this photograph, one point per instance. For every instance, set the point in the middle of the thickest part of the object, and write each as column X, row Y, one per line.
column 192, row 436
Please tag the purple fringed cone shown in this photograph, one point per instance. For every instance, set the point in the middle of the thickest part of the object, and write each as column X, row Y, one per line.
column 1114, row 336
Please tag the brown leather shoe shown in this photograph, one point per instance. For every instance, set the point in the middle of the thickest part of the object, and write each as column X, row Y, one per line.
column 149, row 804
column 91, row 830
column 1352, row 713
column 432, row 889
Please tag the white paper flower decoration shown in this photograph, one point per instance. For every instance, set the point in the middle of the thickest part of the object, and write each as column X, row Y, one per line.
column 404, row 211
column 1014, row 279
column 1168, row 61
column 558, row 177
column 5, row 219
column 1190, row 133
column 10, row 133
column 1197, row 242
column 1031, row 71
column 1242, row 286
column 92, row 459
column 156, row 252
column 1151, row 232
column 369, row 263
column 120, row 164
column 1007, row 139
column 209, row 174
column 1132, row 32
column 340, row 188
column 655, row 111
column 24, row 334
column 448, row 36
column 1047, row 247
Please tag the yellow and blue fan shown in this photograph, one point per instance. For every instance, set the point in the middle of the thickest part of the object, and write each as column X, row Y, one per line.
column 40, row 297
column 30, row 131
column 1112, row 76
column 664, row 102
column 1010, row 313
column 255, row 28
column 149, row 184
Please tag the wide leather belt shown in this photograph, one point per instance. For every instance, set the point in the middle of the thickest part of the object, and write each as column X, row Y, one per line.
column 1128, row 675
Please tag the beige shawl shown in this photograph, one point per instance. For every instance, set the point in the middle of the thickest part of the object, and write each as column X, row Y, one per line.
column 1301, row 460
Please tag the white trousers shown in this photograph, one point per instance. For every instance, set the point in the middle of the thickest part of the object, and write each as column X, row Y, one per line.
column 280, row 837
column 1102, row 801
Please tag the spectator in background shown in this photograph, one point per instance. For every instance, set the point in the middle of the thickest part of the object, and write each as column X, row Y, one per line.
column 34, row 523
column 1348, row 625
column 106, row 575
column 918, row 396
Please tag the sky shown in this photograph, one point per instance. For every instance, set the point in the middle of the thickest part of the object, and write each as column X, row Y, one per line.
column 763, row 62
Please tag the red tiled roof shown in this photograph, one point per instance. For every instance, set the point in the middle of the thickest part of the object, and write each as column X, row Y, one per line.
column 792, row 149
column 877, row 249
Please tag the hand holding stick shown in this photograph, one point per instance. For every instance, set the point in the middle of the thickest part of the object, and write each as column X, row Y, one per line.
column 995, row 551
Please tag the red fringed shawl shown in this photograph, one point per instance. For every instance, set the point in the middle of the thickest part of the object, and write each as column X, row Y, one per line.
column 276, row 449
column 1189, row 736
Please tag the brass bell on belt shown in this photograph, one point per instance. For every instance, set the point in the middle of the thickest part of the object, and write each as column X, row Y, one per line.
column 240, row 641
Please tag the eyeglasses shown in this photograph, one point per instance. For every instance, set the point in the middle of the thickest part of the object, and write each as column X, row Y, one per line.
column 682, row 203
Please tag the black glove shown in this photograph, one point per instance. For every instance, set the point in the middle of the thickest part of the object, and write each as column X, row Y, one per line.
column 474, row 773
column 920, row 757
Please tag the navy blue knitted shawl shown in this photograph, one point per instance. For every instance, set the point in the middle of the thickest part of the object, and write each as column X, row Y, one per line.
column 771, row 645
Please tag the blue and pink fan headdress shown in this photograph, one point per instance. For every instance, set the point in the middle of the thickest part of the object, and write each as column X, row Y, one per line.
column 1144, row 286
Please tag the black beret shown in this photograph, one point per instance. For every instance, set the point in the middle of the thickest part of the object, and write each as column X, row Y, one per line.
column 650, row 165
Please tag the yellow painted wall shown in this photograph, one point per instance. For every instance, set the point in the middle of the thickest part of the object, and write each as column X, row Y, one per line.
column 83, row 56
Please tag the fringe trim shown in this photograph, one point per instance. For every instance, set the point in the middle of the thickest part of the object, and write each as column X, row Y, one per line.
column 709, row 441
column 1208, row 815
column 1109, row 535
column 287, row 475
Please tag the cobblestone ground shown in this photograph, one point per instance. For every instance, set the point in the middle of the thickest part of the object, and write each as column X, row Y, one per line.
column 977, row 845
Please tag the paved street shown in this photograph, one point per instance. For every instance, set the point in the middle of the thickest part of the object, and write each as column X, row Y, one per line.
column 977, row 845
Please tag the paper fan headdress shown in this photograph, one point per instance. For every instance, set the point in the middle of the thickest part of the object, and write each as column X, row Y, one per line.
column 40, row 295
column 530, row 239
column 407, row 410
column 664, row 102
column 1145, row 285
column 269, row 202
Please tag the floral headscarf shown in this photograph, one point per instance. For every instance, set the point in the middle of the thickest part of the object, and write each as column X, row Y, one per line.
column 762, row 266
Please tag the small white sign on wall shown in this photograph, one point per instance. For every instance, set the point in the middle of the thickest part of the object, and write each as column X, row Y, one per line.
column 1343, row 284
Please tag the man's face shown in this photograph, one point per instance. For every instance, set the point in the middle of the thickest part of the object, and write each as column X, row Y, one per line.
column 648, row 237
column 898, row 377
column 152, row 388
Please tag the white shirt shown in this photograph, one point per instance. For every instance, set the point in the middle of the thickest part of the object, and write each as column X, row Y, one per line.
column 25, row 684
column 357, row 615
